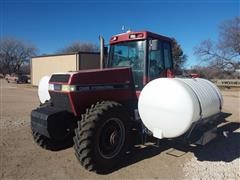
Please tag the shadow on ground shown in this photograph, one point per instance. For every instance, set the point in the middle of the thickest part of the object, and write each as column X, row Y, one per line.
column 225, row 147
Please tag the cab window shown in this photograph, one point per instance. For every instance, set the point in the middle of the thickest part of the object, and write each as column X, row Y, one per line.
column 129, row 54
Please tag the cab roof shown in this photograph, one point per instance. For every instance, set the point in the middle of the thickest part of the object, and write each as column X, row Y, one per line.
column 137, row 35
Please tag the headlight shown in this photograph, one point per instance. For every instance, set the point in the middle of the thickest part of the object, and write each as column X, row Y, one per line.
column 68, row 88
column 73, row 88
column 62, row 87
column 51, row 87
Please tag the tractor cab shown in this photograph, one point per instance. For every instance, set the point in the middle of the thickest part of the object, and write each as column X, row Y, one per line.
column 148, row 54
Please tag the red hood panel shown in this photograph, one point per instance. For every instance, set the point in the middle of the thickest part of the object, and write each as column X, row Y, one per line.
column 102, row 76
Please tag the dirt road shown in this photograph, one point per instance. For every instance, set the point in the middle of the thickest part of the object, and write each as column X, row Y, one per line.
column 21, row 158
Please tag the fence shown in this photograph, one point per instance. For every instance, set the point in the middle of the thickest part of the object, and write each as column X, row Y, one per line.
column 226, row 82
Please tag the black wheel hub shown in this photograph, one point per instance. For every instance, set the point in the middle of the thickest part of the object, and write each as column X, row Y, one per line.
column 111, row 138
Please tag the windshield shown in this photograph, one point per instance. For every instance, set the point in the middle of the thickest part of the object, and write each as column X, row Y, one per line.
column 129, row 54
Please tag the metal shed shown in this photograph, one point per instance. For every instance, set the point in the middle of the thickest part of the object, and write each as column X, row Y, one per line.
column 55, row 63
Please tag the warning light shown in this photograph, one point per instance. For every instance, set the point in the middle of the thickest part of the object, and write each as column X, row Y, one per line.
column 114, row 38
column 132, row 36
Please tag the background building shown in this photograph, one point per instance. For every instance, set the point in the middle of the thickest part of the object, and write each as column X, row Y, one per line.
column 48, row 64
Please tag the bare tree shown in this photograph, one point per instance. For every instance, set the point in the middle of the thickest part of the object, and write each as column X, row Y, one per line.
column 14, row 54
column 230, row 36
column 78, row 46
column 223, row 56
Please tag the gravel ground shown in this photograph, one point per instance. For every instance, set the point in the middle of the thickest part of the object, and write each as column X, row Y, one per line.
column 220, row 159
column 21, row 158
column 218, row 162
column 212, row 170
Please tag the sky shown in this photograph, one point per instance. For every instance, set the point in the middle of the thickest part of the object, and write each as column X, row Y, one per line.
column 52, row 25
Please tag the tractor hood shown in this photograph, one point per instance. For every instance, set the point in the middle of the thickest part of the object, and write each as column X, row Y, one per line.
column 93, row 76
column 75, row 91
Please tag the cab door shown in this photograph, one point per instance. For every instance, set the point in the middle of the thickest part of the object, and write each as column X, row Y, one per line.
column 159, row 58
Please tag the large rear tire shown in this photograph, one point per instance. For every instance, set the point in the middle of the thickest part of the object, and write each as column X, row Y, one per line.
column 100, row 139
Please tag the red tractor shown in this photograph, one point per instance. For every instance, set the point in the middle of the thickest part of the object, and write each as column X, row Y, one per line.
column 98, row 108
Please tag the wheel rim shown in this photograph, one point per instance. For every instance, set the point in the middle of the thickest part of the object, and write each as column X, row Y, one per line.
column 111, row 139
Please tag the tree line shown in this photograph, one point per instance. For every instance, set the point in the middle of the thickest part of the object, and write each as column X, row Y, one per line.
column 15, row 54
column 219, row 59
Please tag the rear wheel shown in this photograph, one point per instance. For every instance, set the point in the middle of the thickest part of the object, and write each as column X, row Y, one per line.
column 100, row 139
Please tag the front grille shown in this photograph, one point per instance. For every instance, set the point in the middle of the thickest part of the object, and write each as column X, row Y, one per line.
column 60, row 78
column 60, row 100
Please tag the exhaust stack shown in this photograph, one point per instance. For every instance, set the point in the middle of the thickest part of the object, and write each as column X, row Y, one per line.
column 101, row 52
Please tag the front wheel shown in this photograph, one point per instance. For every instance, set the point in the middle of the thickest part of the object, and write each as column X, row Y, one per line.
column 100, row 139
